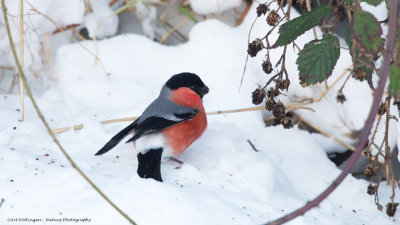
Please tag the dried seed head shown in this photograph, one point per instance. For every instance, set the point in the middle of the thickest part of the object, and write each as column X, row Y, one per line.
column 279, row 110
column 258, row 96
column 369, row 172
column 267, row 66
column 391, row 208
column 262, row 9
column 273, row 18
column 372, row 189
column 284, row 85
column 340, row 97
column 360, row 74
column 287, row 122
column 254, row 47
column 272, row 93
column 270, row 104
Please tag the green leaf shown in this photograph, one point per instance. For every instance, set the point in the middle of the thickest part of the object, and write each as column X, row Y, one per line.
column 394, row 76
column 290, row 30
column 347, row 2
column 317, row 60
column 367, row 32
column 363, row 64
column 347, row 36
column 373, row 2
column 185, row 12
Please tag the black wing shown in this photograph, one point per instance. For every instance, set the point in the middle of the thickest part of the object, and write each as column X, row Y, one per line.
column 117, row 138
column 156, row 124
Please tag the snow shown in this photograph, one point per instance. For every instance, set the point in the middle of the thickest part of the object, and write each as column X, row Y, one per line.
column 204, row 7
column 222, row 181
column 100, row 15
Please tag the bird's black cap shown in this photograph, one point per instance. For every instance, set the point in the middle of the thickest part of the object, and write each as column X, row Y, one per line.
column 189, row 80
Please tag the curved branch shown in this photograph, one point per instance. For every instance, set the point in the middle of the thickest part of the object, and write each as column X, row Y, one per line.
column 367, row 127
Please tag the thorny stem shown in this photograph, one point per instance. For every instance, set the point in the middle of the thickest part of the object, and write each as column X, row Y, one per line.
column 42, row 118
column 367, row 127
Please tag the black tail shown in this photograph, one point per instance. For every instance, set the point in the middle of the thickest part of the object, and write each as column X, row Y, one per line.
column 149, row 164
column 117, row 138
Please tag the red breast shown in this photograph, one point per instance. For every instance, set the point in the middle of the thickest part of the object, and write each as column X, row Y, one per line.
column 181, row 136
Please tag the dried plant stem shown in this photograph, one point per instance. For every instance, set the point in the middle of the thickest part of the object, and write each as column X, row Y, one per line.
column 290, row 106
column 42, row 118
column 350, row 147
column 244, row 13
column 308, row 5
column 21, row 55
column 48, row 57
column 127, row 119
column 363, row 139
column 63, row 29
column 333, row 84
column 166, row 35
column 184, row 38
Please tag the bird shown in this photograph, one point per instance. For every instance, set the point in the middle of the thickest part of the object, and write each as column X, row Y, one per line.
column 168, row 126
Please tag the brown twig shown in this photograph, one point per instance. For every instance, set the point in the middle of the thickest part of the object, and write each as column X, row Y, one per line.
column 252, row 146
column 367, row 127
column 245, row 12
column 112, row 2
column 63, row 29
column 42, row 118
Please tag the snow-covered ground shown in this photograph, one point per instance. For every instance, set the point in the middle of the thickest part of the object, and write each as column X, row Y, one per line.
column 222, row 181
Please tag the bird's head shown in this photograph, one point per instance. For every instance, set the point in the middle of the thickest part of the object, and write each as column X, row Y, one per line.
column 188, row 80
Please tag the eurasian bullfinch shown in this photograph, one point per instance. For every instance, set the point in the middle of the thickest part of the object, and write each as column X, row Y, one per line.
column 168, row 126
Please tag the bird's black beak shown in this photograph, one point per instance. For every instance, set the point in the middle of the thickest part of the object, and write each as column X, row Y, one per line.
column 204, row 90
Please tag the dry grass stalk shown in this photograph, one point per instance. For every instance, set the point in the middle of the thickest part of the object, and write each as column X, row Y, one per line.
column 308, row 5
column 166, row 35
column 48, row 57
column 21, row 56
column 68, row 27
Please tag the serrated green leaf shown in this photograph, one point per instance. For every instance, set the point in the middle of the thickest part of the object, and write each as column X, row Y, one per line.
column 394, row 76
column 290, row 30
column 373, row 2
column 360, row 62
column 317, row 59
column 367, row 32
column 347, row 36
